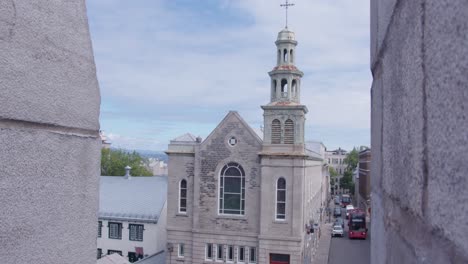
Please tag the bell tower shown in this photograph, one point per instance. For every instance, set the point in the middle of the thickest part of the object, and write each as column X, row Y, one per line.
column 284, row 116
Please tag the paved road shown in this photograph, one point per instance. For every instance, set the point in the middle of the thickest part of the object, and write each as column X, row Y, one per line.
column 346, row 251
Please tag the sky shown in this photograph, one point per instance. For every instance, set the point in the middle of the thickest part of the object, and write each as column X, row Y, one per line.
column 168, row 67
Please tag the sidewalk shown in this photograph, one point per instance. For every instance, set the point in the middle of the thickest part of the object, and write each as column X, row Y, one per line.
column 323, row 250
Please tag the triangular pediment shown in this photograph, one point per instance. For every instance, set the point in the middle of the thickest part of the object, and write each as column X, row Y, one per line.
column 233, row 116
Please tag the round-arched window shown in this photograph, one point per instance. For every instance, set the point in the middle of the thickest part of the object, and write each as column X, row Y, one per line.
column 232, row 189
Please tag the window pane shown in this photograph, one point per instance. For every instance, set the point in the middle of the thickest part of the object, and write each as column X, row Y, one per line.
column 232, row 185
column 183, row 193
column 183, row 203
column 232, row 172
column 253, row 255
column 230, row 253
column 281, row 196
column 183, row 184
column 232, row 201
column 220, row 252
column 280, row 208
column 209, row 253
column 236, row 212
column 241, row 254
column 281, row 183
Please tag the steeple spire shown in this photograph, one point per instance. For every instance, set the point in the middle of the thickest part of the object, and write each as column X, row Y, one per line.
column 284, row 116
column 286, row 6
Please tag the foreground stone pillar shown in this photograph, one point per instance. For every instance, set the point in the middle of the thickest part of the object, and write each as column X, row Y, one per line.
column 419, row 61
column 49, row 140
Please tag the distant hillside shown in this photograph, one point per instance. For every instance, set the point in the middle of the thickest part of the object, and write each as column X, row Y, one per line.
column 149, row 153
column 153, row 154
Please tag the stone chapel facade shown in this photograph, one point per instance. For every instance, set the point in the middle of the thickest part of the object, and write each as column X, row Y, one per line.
column 235, row 198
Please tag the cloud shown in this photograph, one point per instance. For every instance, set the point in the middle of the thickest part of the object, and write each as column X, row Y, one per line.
column 184, row 63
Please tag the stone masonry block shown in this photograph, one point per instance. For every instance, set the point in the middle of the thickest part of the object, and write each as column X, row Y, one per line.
column 376, row 133
column 49, row 193
column 378, row 231
column 47, row 57
column 402, row 91
column 381, row 15
column 446, row 63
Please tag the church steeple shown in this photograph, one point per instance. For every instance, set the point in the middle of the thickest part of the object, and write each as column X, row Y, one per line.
column 285, row 76
column 284, row 116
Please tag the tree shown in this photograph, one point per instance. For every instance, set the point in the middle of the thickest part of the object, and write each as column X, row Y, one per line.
column 113, row 163
column 352, row 160
column 333, row 172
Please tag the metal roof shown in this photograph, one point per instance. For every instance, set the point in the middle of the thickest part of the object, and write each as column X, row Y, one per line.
column 187, row 137
column 158, row 258
column 137, row 198
column 112, row 259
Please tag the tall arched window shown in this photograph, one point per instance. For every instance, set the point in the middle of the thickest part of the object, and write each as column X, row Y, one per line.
column 291, row 57
column 276, row 132
column 285, row 55
column 289, row 132
column 273, row 88
column 294, row 88
column 232, row 189
column 284, row 88
column 281, row 199
column 183, row 196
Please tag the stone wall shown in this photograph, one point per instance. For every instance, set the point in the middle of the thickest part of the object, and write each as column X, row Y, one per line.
column 419, row 61
column 49, row 124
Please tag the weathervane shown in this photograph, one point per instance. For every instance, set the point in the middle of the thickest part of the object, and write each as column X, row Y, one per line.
column 286, row 6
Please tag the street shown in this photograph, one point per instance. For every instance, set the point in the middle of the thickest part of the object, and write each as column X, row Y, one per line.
column 346, row 251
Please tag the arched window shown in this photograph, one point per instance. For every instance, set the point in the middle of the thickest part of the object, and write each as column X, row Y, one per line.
column 291, row 57
column 289, row 132
column 273, row 88
column 232, row 189
column 281, row 199
column 284, row 88
column 285, row 55
column 294, row 88
column 183, row 196
column 276, row 132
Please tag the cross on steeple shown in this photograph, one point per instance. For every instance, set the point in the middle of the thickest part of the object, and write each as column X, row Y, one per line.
column 286, row 6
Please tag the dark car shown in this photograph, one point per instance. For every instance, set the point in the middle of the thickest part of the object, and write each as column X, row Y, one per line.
column 339, row 221
column 337, row 212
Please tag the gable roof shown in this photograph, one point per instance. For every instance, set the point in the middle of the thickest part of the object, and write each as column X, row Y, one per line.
column 158, row 258
column 236, row 115
column 112, row 259
column 137, row 198
column 187, row 137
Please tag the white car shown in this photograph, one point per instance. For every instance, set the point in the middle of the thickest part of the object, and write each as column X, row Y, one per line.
column 337, row 231
column 349, row 208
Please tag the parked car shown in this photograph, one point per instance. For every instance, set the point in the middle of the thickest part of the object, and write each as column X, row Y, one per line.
column 337, row 212
column 339, row 221
column 337, row 200
column 337, row 231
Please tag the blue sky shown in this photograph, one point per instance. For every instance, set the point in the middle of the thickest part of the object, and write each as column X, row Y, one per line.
column 167, row 67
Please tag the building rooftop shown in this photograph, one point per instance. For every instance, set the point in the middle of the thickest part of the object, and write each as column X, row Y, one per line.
column 158, row 258
column 187, row 137
column 137, row 198
column 112, row 259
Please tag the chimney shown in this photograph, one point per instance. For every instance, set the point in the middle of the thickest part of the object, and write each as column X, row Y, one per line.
column 127, row 172
column 198, row 139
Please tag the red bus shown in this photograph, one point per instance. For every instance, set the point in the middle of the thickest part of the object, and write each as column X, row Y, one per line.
column 357, row 224
column 345, row 200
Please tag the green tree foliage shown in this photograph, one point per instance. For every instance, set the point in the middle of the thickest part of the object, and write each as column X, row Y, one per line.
column 113, row 163
column 333, row 172
column 352, row 160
